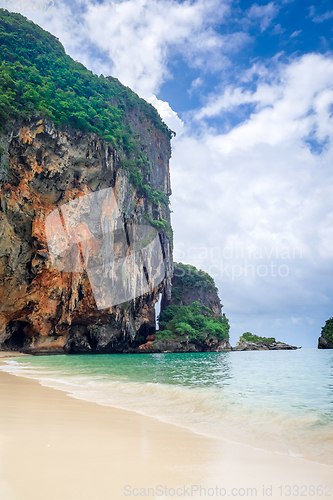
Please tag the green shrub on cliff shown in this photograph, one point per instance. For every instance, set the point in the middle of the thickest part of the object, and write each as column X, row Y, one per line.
column 192, row 323
column 190, row 277
column 327, row 330
column 161, row 226
column 249, row 337
column 38, row 78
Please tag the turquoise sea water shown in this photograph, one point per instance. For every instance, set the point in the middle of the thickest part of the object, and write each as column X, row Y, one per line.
column 280, row 401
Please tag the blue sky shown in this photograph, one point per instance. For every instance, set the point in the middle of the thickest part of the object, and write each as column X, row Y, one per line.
column 248, row 87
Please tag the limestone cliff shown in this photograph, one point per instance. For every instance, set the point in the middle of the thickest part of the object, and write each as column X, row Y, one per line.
column 190, row 285
column 85, row 235
column 42, row 308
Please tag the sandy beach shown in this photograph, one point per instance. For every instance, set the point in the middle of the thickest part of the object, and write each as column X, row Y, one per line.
column 55, row 447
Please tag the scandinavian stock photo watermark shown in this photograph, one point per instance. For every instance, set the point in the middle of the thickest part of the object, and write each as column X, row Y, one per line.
column 236, row 262
column 196, row 490
column 122, row 261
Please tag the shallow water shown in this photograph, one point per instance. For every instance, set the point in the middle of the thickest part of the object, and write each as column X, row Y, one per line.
column 280, row 401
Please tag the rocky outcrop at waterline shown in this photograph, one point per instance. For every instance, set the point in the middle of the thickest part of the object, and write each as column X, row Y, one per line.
column 260, row 346
column 192, row 320
column 249, row 342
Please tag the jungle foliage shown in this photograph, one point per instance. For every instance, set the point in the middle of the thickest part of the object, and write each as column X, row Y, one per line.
column 38, row 78
column 193, row 323
column 188, row 277
column 249, row 337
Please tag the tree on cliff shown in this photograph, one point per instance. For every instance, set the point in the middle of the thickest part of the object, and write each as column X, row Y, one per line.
column 193, row 322
column 38, row 78
column 194, row 313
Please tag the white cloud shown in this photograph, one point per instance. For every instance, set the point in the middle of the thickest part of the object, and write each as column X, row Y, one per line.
column 278, row 30
column 168, row 115
column 141, row 36
column 295, row 34
column 289, row 109
column 209, row 51
column 322, row 17
column 195, row 85
column 264, row 14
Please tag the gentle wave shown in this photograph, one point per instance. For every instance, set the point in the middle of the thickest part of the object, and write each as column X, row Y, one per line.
column 251, row 413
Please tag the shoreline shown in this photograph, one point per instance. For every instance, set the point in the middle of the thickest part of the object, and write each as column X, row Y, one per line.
column 12, row 354
column 63, row 448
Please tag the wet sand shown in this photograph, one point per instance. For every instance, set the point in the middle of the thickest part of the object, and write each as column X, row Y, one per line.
column 55, row 447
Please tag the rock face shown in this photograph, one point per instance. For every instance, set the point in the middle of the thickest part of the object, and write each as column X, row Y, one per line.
column 324, row 343
column 190, row 285
column 42, row 308
column 170, row 345
column 245, row 345
column 325, row 340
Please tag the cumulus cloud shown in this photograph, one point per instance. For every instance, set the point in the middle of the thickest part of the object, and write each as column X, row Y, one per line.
column 296, row 105
column 137, row 35
column 264, row 14
column 136, row 40
column 320, row 18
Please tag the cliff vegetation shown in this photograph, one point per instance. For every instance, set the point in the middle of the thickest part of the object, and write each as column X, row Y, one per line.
column 194, row 323
column 249, row 337
column 38, row 78
column 192, row 320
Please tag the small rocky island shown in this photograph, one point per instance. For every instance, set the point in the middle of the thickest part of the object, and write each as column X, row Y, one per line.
column 250, row 342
